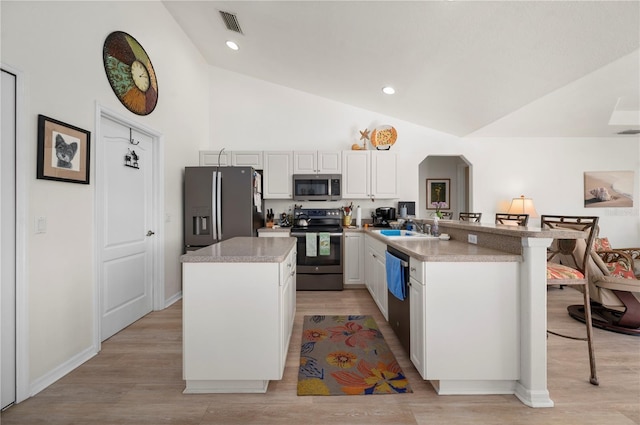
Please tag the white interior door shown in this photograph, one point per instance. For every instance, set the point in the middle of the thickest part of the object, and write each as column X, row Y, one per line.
column 125, row 211
column 8, row 238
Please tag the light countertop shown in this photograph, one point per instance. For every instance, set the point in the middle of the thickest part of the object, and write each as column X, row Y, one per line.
column 243, row 250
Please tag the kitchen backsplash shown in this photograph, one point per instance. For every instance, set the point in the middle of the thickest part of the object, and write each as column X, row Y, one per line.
column 367, row 207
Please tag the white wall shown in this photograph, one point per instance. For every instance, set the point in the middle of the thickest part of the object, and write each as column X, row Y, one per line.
column 58, row 47
column 249, row 114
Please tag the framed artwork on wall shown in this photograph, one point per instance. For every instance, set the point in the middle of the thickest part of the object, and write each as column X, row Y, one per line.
column 438, row 194
column 63, row 151
column 608, row 189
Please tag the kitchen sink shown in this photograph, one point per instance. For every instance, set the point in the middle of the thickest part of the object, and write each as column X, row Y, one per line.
column 402, row 234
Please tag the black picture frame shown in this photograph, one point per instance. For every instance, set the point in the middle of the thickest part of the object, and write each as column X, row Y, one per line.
column 63, row 151
column 438, row 191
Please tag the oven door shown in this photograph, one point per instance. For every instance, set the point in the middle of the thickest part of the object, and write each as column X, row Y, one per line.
column 331, row 263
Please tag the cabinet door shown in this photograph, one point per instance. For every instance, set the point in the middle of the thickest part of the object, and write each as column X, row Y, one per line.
column 288, row 307
column 247, row 159
column 369, row 269
column 417, row 317
column 305, row 162
column 329, row 162
column 381, row 283
column 353, row 258
column 356, row 174
column 384, row 180
column 277, row 178
column 213, row 158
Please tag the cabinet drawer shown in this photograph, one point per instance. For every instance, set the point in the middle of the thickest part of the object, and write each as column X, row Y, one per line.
column 416, row 270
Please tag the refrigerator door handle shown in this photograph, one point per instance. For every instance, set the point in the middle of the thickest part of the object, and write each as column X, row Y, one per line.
column 219, row 206
column 214, row 206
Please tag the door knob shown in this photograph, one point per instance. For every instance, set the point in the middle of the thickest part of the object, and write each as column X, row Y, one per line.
column 150, row 233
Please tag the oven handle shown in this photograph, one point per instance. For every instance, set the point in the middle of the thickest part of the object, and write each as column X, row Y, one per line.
column 305, row 233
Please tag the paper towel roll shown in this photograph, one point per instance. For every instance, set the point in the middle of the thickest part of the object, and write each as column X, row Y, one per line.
column 358, row 217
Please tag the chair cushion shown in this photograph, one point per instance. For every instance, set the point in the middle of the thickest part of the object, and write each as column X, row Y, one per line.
column 558, row 271
column 620, row 269
column 602, row 244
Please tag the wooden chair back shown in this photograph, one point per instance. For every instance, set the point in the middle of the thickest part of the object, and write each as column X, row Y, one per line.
column 512, row 219
column 565, row 249
column 470, row 217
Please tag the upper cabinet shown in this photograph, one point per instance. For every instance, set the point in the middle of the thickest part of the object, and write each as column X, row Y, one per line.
column 247, row 159
column 235, row 158
column 278, row 175
column 220, row 158
column 317, row 162
column 369, row 174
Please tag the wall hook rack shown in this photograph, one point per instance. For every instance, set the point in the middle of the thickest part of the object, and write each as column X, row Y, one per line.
column 133, row 142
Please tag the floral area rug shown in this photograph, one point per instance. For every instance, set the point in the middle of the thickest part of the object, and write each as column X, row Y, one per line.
column 347, row 355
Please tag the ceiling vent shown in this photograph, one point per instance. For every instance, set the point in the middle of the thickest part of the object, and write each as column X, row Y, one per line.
column 231, row 21
column 629, row 132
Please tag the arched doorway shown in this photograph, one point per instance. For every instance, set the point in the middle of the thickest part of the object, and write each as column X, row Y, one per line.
column 456, row 171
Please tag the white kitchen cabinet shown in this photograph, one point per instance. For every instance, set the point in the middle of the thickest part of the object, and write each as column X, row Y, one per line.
column 375, row 273
column 277, row 179
column 247, row 159
column 317, row 162
column 384, row 174
column 353, row 258
column 417, row 318
column 213, row 158
column 229, row 309
column 369, row 174
column 288, row 303
column 232, row 158
column 441, row 350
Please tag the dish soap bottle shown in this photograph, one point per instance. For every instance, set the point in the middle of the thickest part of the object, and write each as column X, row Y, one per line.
column 435, row 231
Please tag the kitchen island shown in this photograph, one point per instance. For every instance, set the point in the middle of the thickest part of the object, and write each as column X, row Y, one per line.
column 478, row 311
column 239, row 303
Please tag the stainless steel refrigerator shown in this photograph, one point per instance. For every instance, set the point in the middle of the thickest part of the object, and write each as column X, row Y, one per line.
column 221, row 203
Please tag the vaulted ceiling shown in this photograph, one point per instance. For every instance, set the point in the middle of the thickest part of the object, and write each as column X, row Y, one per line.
column 468, row 68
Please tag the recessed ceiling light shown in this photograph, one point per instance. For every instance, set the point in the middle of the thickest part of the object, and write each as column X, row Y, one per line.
column 388, row 90
column 232, row 45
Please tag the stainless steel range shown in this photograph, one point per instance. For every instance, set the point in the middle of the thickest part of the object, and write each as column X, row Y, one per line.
column 319, row 260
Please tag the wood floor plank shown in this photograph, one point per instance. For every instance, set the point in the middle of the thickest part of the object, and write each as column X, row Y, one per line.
column 137, row 379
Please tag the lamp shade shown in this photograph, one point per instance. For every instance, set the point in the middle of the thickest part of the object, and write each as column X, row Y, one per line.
column 523, row 205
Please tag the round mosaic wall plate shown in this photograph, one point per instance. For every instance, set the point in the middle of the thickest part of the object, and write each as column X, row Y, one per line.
column 130, row 73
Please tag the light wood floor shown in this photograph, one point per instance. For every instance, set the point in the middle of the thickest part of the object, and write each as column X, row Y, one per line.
column 137, row 379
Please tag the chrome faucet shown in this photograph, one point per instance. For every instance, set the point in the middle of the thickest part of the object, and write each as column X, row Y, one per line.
column 419, row 227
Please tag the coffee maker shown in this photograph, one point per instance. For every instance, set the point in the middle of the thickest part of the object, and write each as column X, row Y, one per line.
column 383, row 216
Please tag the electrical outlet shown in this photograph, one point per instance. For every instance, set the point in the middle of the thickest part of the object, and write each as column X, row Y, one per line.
column 473, row 238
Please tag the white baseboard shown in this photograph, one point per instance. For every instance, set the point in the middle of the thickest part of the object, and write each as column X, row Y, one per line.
column 173, row 299
column 60, row 371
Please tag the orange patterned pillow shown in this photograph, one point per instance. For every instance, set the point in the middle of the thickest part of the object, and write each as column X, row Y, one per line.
column 620, row 269
column 558, row 271
column 602, row 244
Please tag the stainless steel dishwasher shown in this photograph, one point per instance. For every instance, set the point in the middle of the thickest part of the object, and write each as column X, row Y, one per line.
column 399, row 310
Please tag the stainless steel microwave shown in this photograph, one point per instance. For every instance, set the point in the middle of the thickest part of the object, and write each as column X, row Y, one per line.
column 317, row 187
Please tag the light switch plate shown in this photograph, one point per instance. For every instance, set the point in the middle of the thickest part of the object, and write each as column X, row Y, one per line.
column 41, row 225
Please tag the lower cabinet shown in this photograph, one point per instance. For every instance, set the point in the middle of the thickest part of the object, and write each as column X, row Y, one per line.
column 375, row 273
column 229, row 309
column 417, row 319
column 353, row 258
column 287, row 303
column 481, row 345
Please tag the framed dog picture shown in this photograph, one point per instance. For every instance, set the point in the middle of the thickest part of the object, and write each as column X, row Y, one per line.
column 63, row 151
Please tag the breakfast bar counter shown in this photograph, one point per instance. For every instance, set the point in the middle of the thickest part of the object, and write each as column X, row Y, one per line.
column 478, row 310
